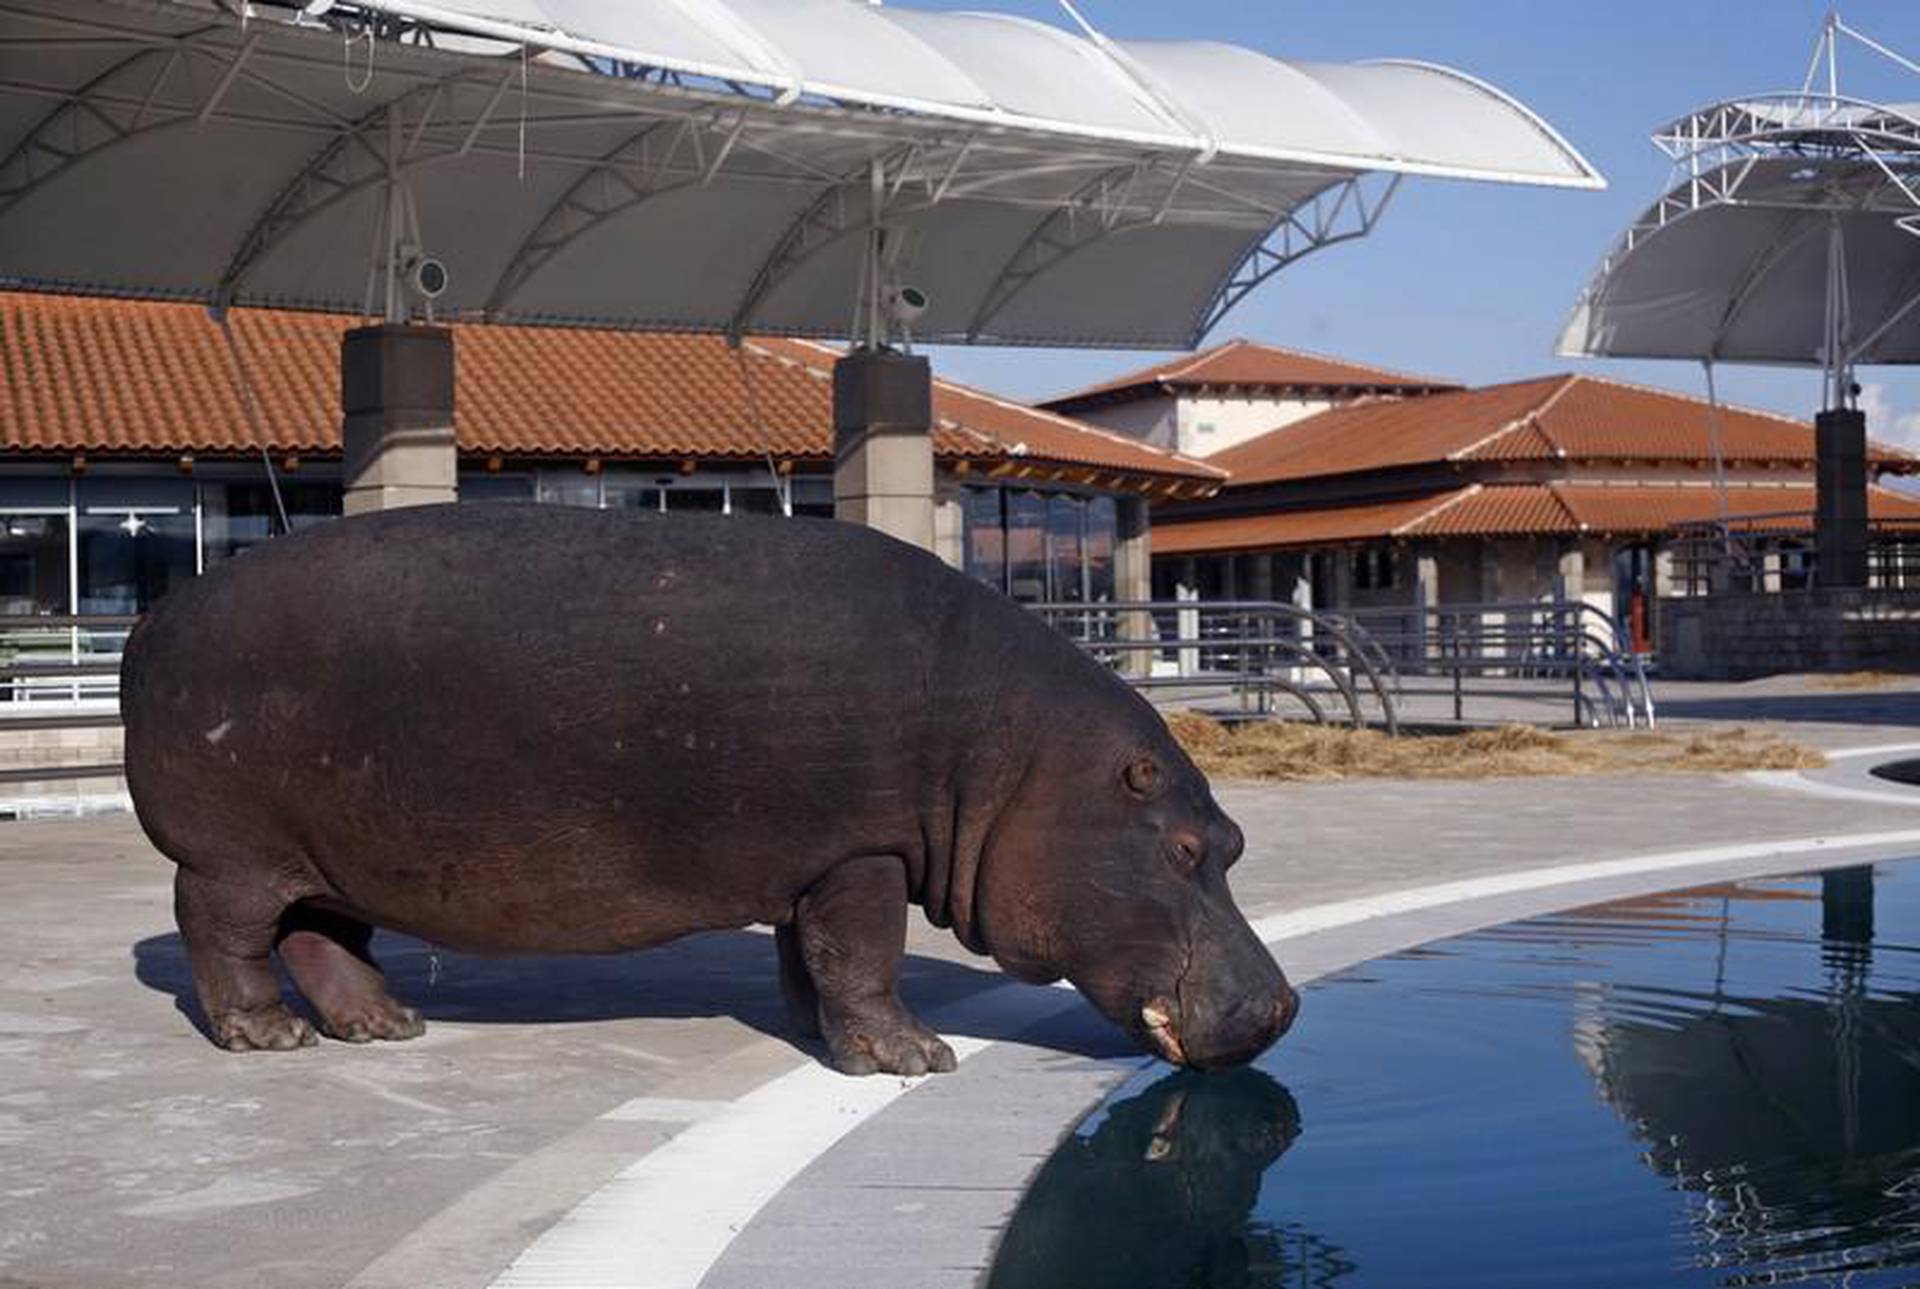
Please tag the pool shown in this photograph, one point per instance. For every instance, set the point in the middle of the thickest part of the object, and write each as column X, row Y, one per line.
column 1713, row 1087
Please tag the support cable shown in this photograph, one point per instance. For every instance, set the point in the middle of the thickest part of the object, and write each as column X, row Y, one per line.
column 250, row 402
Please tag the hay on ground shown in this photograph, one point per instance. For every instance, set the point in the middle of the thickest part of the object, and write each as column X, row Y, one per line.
column 1287, row 750
column 1858, row 680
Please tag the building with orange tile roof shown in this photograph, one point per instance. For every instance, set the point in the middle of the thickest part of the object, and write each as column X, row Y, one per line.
column 1559, row 486
column 1208, row 402
column 135, row 444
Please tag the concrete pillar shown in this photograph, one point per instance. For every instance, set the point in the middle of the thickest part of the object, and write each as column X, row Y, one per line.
column 1840, row 506
column 396, row 399
column 1133, row 579
column 1426, row 598
column 1570, row 575
column 883, row 444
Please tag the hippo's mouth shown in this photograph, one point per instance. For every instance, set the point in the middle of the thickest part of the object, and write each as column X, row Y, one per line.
column 1158, row 1016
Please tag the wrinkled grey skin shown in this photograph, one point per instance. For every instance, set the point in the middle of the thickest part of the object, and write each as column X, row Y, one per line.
column 519, row 729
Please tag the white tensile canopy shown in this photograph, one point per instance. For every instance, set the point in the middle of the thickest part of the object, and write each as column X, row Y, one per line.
column 1733, row 264
column 705, row 164
column 1790, row 234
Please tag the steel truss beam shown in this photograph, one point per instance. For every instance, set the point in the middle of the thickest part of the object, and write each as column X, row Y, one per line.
column 1336, row 214
column 1103, row 209
column 914, row 177
column 640, row 169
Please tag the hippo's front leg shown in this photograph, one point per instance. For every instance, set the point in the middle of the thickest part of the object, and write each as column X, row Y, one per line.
column 851, row 932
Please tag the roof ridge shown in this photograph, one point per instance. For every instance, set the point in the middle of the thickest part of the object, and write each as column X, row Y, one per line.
column 1025, row 409
column 1199, row 357
column 1414, row 378
column 1566, row 506
column 1662, row 392
column 1448, row 503
column 1528, row 417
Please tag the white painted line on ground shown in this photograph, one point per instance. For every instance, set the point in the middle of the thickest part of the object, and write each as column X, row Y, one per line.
column 1875, row 749
column 665, row 1110
column 1797, row 781
column 1325, row 917
column 668, row 1217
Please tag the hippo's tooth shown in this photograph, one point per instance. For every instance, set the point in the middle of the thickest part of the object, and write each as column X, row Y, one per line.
column 1159, row 1025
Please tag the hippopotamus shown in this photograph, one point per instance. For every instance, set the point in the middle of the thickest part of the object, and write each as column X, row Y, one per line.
column 521, row 729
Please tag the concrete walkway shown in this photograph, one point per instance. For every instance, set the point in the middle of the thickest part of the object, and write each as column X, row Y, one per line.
column 642, row 1120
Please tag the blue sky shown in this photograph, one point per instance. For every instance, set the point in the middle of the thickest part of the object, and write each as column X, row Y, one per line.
column 1473, row 281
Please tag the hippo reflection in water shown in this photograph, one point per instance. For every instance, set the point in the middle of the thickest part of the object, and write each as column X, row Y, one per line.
column 528, row 729
column 1161, row 1191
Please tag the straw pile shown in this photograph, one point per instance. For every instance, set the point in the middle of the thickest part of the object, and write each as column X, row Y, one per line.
column 1858, row 680
column 1284, row 750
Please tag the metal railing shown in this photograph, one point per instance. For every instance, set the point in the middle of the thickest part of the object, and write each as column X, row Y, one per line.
column 1774, row 552
column 60, row 673
column 1258, row 653
column 1504, row 651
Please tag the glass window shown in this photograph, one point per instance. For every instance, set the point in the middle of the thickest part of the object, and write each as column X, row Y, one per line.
column 632, row 492
column 129, row 560
column 695, row 499
column 33, row 563
column 1026, row 546
column 135, row 541
column 813, row 496
column 1103, row 534
column 753, row 499
column 570, row 488
column 985, row 536
column 1065, row 569
column 475, row 486
column 236, row 516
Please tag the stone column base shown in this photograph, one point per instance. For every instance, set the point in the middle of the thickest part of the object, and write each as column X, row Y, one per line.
column 883, row 444
column 396, row 393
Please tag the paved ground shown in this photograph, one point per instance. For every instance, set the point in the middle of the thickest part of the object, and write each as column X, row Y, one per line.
column 132, row 1153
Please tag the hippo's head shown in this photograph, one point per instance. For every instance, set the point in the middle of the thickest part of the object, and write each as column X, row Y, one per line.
column 1110, row 868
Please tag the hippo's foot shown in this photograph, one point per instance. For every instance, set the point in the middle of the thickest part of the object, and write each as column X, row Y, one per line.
column 272, row 1028
column 896, row 1044
column 327, row 954
column 382, row 1018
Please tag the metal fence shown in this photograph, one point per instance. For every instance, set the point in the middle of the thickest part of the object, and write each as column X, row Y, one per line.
column 1386, row 666
column 1502, row 657
column 60, row 673
column 1263, row 657
column 1759, row 554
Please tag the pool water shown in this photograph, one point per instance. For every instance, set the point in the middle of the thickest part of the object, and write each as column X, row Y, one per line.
column 1714, row 1087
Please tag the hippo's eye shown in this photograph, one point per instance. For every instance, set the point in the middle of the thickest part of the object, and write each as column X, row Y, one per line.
column 1184, row 855
column 1142, row 776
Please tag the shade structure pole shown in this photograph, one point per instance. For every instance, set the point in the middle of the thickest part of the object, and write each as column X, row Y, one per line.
column 882, row 404
column 1840, row 433
column 396, row 399
column 1719, row 466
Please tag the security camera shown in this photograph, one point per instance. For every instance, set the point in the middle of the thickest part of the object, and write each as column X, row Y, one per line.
column 907, row 304
column 428, row 277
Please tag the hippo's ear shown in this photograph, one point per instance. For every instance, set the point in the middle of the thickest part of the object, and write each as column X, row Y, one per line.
column 1142, row 776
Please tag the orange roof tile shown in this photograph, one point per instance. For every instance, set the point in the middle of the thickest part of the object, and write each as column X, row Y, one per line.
column 1274, row 528
column 1378, row 435
column 113, row 376
column 1551, row 418
column 1506, row 510
column 1247, row 363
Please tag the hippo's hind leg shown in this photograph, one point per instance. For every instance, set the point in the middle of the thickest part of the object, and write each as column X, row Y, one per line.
column 851, row 929
column 327, row 955
column 229, row 930
column 796, row 983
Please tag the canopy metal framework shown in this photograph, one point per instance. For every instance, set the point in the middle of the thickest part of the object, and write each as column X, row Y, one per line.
column 1790, row 234
column 705, row 164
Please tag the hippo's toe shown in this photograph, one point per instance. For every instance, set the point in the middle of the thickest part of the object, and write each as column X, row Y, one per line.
column 390, row 1021
column 906, row 1048
column 261, row 1029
